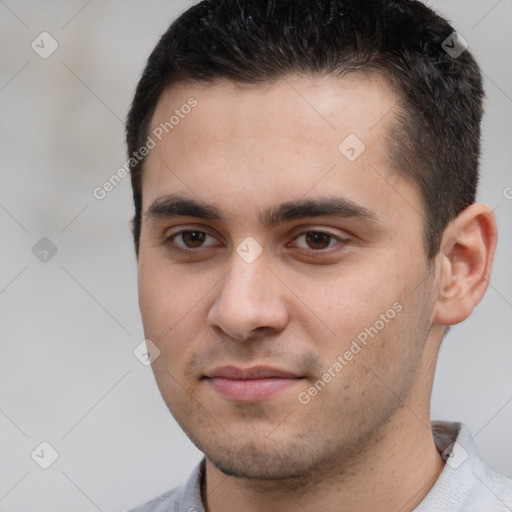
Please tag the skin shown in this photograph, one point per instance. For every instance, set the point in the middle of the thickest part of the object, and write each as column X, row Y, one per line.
column 364, row 441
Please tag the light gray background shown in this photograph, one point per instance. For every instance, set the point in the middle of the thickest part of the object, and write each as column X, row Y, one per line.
column 69, row 326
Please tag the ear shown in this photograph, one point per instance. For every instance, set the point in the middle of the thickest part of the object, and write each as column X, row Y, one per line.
column 465, row 261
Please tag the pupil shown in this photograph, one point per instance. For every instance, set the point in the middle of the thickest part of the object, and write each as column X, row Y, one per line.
column 193, row 238
column 318, row 240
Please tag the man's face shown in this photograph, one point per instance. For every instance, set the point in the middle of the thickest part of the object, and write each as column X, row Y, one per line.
column 249, row 340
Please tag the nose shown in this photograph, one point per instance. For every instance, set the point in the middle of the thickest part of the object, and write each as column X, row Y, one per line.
column 251, row 301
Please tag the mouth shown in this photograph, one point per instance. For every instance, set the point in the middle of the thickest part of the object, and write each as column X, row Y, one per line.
column 252, row 384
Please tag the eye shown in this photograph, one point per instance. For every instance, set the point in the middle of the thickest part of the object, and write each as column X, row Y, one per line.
column 317, row 240
column 191, row 239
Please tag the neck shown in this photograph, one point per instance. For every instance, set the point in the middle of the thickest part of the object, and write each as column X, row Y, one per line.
column 394, row 471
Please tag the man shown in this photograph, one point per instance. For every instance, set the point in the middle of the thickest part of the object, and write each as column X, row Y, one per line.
column 304, row 177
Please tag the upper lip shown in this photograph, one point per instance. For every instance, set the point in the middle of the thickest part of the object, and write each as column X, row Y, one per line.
column 254, row 372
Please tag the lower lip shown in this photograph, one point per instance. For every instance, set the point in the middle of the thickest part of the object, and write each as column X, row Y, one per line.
column 250, row 390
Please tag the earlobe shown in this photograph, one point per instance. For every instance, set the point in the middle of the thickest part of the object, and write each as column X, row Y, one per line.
column 466, row 256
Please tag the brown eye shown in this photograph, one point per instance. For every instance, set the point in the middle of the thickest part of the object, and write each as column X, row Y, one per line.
column 190, row 239
column 318, row 240
column 193, row 239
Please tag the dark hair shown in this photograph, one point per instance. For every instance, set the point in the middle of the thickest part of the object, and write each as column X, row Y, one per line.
column 435, row 137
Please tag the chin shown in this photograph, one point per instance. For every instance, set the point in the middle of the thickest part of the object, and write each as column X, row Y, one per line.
column 262, row 461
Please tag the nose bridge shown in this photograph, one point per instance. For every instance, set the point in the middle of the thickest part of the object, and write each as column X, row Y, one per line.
column 247, row 300
column 245, row 282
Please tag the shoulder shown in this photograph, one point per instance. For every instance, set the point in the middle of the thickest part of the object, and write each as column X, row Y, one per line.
column 167, row 502
column 185, row 498
column 492, row 489
column 467, row 483
column 488, row 490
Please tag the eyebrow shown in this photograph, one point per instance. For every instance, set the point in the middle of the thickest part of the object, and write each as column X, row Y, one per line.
column 335, row 206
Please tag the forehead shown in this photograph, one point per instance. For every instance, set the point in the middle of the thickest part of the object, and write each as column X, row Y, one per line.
column 293, row 105
column 263, row 144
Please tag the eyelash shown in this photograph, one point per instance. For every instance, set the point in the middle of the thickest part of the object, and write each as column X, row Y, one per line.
column 171, row 245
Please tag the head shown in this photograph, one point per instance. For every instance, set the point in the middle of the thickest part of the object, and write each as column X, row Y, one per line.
column 309, row 208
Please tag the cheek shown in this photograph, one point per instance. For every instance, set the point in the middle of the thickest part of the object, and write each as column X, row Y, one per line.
column 346, row 300
column 372, row 368
column 389, row 342
column 164, row 301
column 368, row 315
column 174, row 309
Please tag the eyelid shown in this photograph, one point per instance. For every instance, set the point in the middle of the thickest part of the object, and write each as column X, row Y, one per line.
column 340, row 234
column 169, row 233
